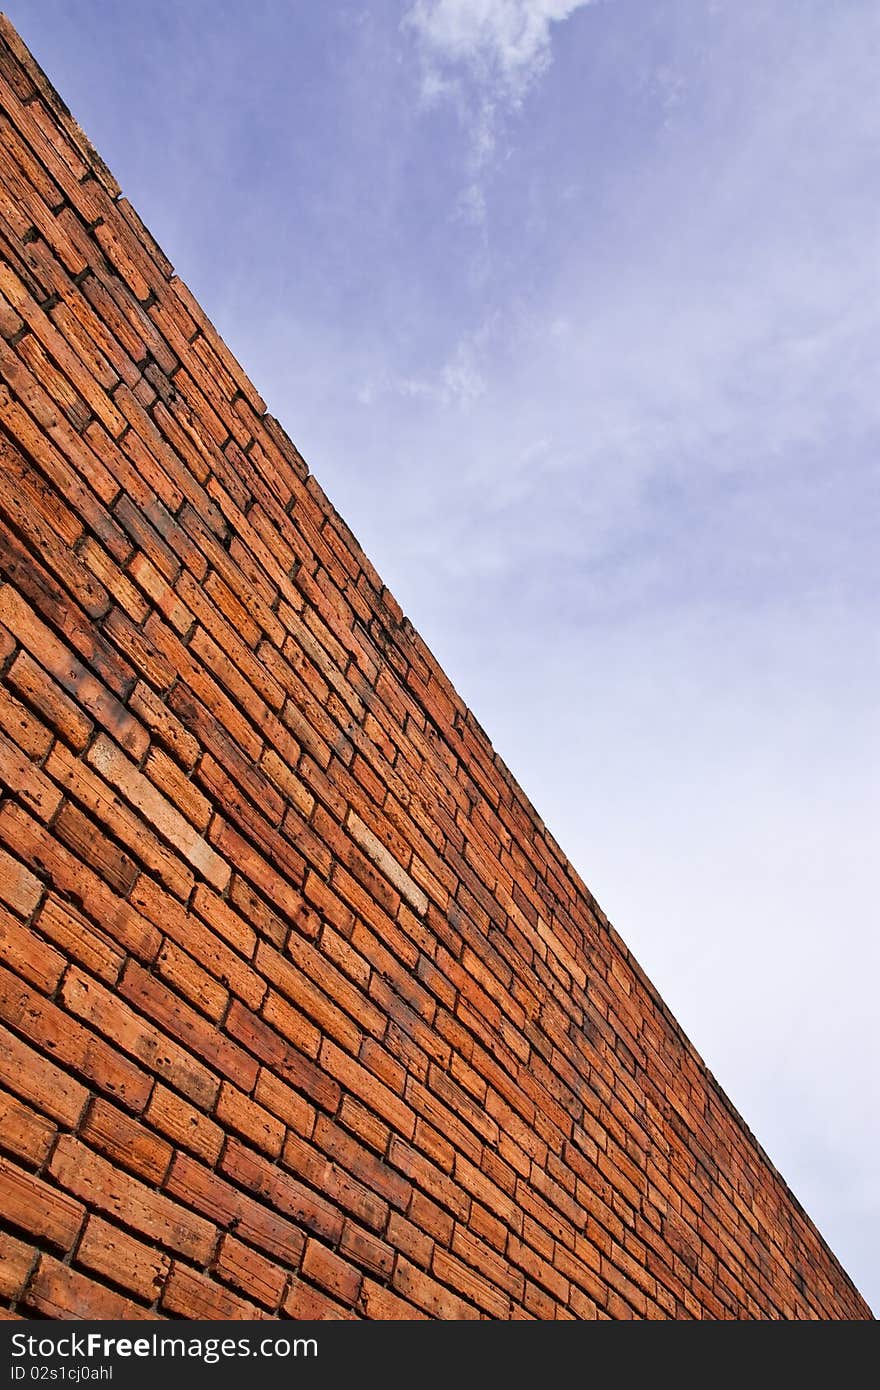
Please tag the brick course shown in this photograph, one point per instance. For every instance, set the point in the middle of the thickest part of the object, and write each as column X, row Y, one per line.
column 303, row 1012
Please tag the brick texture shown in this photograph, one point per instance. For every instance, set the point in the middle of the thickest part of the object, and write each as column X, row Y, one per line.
column 303, row 1013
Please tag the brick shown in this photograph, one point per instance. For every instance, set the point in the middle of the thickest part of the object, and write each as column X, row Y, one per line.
column 25, row 780
column 252, row 1274
column 184, row 976
column 236, row 1112
column 283, row 1192
column 45, row 1025
column 228, row 1206
column 24, row 730
column 145, row 993
column 78, row 939
column 107, row 1189
column 119, row 1137
column 188, row 1294
column 115, row 1255
column 331, row 1272
column 91, row 695
column 292, row 1066
column 417, row 1286
column 18, row 887
column 122, row 774
column 16, row 1260
column 40, row 1081
column 367, row 1088
column 365, row 1249
column 127, row 1029
column 307, row 1304
column 184, row 1124
column 23, row 1133
column 379, row 1303
column 31, row 1205
column 61, row 1293
column 27, row 955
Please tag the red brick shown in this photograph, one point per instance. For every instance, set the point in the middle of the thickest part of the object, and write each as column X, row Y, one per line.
column 34, row 1077
column 116, row 1256
column 186, row 1126
column 18, row 887
column 439, row 1302
column 120, row 1138
column 332, row 1273
column 71, row 878
column 16, row 1260
column 236, row 1113
column 105, row 1188
column 379, row 1303
column 145, row 993
column 283, row 1192
column 23, row 951
column 259, row 1225
column 89, row 1000
column 74, row 934
column 31, row 1205
column 61, row 1293
column 250, row 1273
column 306, row 1304
column 190, row 1295
column 44, row 1024
column 24, row 1133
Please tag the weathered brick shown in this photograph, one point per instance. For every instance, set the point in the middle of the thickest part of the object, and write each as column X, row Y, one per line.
column 16, row 1260
column 104, row 1010
column 31, row 1205
column 189, row 1294
column 119, row 1137
column 107, row 1189
column 147, row 994
column 186, row 1126
column 242, row 1116
column 259, row 1225
column 139, row 791
column 252, row 1274
column 61, row 1293
column 46, row 1026
column 332, row 1273
column 30, row 957
column 18, row 887
column 116, row 1256
column 24, row 1133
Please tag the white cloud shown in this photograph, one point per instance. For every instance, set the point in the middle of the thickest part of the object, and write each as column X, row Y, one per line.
column 483, row 56
column 504, row 44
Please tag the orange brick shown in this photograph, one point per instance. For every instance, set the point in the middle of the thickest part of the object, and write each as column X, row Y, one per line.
column 44, row 1024
column 185, row 1125
column 24, row 1133
column 61, row 1293
column 332, row 1273
column 228, row 1206
column 419, row 1288
column 115, row 1255
column 306, row 1304
column 78, row 939
column 16, row 1260
column 182, row 973
column 120, row 1138
column 191, row 1295
column 250, row 1273
column 30, row 1205
column 24, row 952
column 379, row 1303
column 237, row 1113
column 104, row 1009
column 106, row 1189
column 145, row 993
column 38, row 1080
column 18, row 887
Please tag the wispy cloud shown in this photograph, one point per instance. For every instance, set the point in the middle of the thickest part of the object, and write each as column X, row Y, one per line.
column 483, row 56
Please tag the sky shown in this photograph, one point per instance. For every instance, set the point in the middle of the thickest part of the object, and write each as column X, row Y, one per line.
column 573, row 310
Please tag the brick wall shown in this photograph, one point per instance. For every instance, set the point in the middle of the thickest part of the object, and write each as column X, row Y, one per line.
column 303, row 1013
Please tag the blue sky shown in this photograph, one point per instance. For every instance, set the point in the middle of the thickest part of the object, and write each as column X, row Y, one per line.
column 573, row 310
